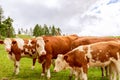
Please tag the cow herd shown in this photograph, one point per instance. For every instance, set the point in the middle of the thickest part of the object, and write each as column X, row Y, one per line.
column 77, row 53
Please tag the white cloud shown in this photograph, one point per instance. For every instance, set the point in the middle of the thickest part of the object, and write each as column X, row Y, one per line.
column 102, row 19
column 62, row 13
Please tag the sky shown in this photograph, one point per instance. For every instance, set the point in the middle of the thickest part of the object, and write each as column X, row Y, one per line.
column 82, row 17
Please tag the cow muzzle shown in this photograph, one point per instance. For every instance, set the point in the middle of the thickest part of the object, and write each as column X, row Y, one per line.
column 8, row 50
column 43, row 53
column 55, row 70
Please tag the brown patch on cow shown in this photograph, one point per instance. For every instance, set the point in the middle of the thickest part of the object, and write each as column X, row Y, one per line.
column 81, row 62
column 90, row 39
column 16, row 50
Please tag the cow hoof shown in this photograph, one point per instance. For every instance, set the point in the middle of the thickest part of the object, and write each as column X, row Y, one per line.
column 32, row 67
column 48, row 78
column 70, row 77
column 16, row 73
column 42, row 74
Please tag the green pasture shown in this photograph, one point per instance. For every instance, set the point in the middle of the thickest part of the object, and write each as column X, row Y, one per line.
column 23, row 36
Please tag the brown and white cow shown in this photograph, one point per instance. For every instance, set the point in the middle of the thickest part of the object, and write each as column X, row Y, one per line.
column 85, row 40
column 18, row 48
column 54, row 45
column 97, row 54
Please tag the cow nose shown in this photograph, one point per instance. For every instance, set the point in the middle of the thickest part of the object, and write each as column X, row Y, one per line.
column 55, row 70
column 43, row 53
column 8, row 50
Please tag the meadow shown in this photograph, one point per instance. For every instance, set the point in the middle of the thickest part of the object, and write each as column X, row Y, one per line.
column 26, row 73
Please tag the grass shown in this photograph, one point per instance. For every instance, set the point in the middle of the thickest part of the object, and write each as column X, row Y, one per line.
column 26, row 73
column 23, row 36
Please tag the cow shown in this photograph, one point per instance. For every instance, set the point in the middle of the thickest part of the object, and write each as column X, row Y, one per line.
column 54, row 45
column 85, row 40
column 97, row 54
column 18, row 48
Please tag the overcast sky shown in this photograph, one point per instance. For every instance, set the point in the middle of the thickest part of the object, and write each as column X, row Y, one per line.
column 69, row 15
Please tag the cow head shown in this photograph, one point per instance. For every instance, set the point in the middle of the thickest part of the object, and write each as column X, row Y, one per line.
column 60, row 63
column 30, row 46
column 40, row 47
column 8, row 43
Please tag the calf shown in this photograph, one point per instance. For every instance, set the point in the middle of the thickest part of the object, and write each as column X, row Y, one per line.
column 98, row 54
column 18, row 48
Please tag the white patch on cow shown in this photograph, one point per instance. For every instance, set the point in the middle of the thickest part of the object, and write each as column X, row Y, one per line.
column 33, row 50
column 83, row 75
column 80, row 48
column 20, row 43
column 99, row 63
column 41, row 48
column 29, row 43
column 48, row 73
column 17, row 68
column 26, row 50
column 76, row 75
column 89, row 55
column 22, row 54
column 60, row 64
column 8, row 43
column 12, row 57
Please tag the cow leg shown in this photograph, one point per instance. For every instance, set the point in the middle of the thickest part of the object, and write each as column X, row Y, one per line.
column 107, row 70
column 46, row 69
column 71, row 74
column 16, row 65
column 47, row 65
column 102, row 69
column 34, row 61
column 53, row 62
column 83, row 73
column 112, row 72
column 116, row 68
column 43, row 69
column 117, row 64
column 76, row 75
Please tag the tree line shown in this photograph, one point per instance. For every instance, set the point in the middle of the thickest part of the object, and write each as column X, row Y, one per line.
column 39, row 30
column 7, row 29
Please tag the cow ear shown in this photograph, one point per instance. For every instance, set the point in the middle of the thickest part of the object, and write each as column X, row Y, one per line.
column 66, row 57
column 14, row 42
column 46, row 41
column 34, row 41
